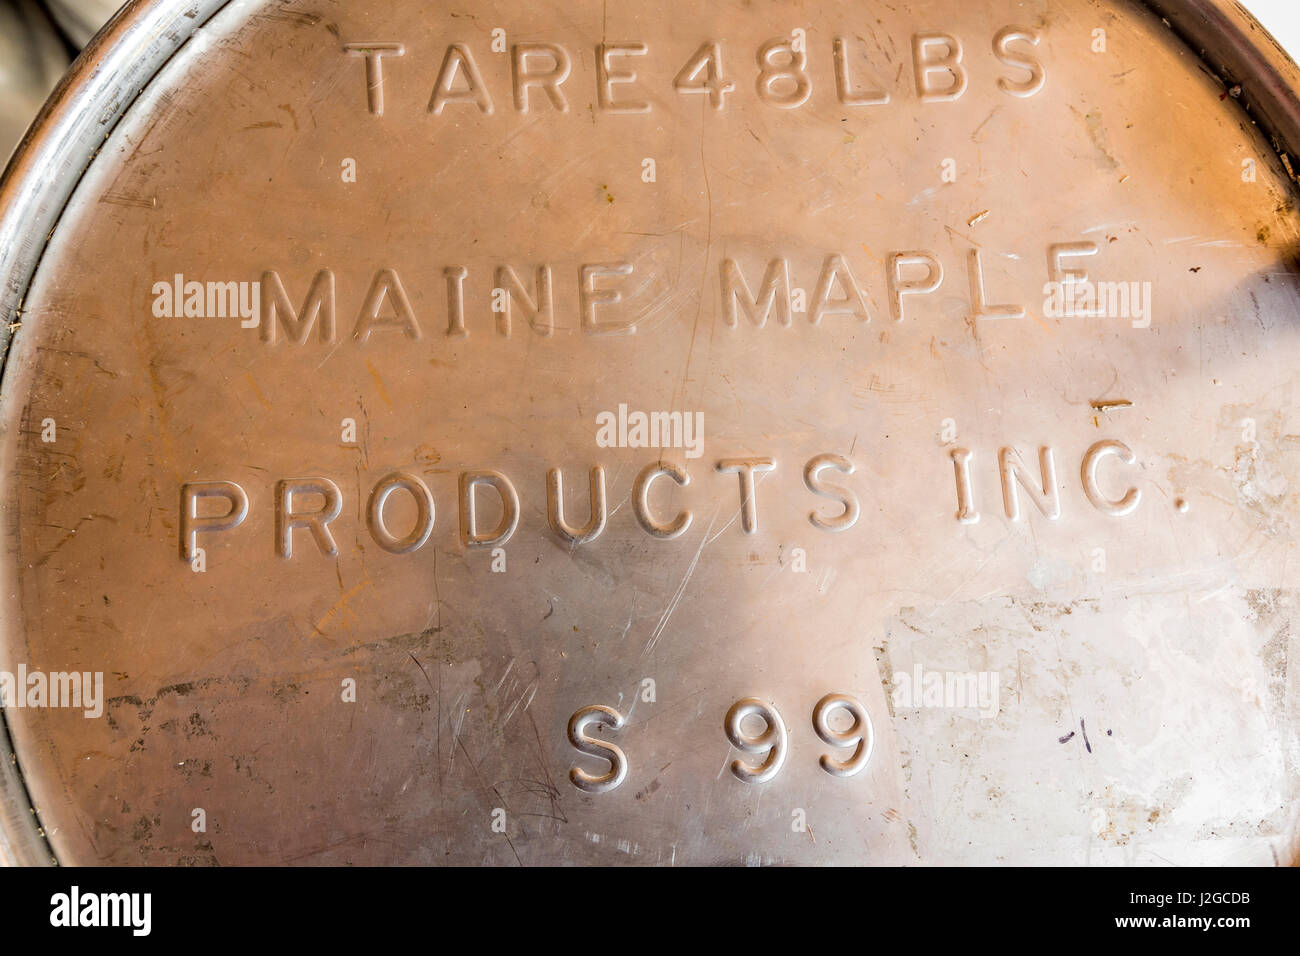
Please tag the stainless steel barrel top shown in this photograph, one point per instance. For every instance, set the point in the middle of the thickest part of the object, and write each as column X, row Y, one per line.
column 654, row 433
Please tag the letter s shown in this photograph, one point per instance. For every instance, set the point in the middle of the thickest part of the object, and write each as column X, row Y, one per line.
column 595, row 747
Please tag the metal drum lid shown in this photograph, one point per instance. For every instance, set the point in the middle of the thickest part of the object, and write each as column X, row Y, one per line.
column 661, row 433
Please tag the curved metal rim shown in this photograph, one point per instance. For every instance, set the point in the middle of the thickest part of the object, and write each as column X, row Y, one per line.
column 1247, row 60
column 42, row 174
column 125, row 56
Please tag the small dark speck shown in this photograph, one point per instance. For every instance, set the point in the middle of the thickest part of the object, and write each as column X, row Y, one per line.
column 1194, row 269
column 1109, row 732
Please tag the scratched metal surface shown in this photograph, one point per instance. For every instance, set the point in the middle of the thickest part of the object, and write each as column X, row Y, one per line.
column 1145, row 661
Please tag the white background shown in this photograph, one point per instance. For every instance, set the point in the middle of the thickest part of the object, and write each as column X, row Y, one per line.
column 1281, row 18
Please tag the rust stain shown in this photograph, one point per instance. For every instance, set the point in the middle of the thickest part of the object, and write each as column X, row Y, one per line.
column 252, row 383
column 379, row 384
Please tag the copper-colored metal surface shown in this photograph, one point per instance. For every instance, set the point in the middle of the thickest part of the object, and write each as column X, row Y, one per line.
column 330, row 549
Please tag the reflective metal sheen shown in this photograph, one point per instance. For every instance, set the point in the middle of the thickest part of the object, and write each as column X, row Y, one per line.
column 649, row 434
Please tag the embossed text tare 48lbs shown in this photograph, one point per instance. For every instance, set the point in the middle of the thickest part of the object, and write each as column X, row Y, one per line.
column 654, row 433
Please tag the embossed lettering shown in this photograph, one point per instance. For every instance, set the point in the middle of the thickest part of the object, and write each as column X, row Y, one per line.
column 459, row 62
column 773, row 294
column 470, row 536
column 191, row 523
column 771, row 743
column 812, row 479
column 1088, row 474
column 860, row 735
column 374, row 54
column 844, row 82
column 540, row 309
column 607, row 77
column 641, row 500
column 745, row 468
column 980, row 309
column 555, row 507
column 287, row 517
column 318, row 306
column 590, row 298
column 385, row 287
column 948, row 61
column 836, row 272
column 424, row 517
column 584, row 743
column 1001, row 49
column 1014, row 471
column 547, row 80
column 899, row 287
